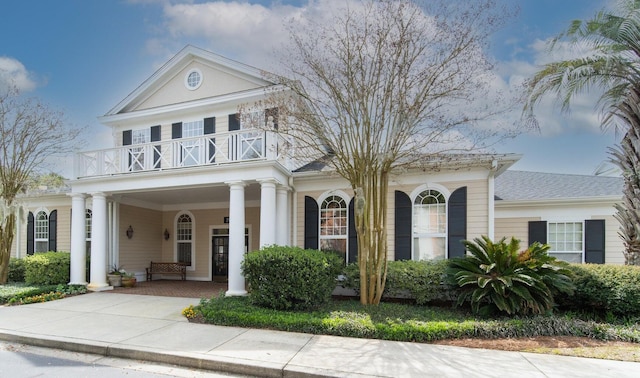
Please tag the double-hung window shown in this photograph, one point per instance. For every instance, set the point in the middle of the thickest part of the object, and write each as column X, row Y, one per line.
column 192, row 150
column 42, row 232
column 87, row 225
column 184, row 237
column 137, row 153
column 566, row 240
column 333, row 224
column 429, row 226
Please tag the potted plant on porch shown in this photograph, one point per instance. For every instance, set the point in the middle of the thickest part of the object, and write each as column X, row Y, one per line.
column 128, row 280
column 115, row 276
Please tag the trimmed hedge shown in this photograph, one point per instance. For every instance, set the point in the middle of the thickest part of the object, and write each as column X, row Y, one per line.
column 605, row 289
column 423, row 281
column 290, row 278
column 50, row 268
column 16, row 270
column 402, row 322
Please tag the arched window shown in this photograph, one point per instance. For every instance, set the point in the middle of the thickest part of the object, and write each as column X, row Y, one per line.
column 184, row 239
column 42, row 231
column 333, row 224
column 87, row 224
column 429, row 225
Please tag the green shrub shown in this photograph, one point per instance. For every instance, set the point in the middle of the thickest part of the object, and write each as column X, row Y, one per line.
column 50, row 268
column 16, row 270
column 290, row 277
column 496, row 276
column 422, row 281
column 604, row 289
column 13, row 293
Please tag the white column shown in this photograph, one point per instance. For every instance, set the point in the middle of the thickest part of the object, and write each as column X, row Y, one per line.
column 236, row 238
column 78, row 275
column 267, row 212
column 282, row 215
column 99, row 244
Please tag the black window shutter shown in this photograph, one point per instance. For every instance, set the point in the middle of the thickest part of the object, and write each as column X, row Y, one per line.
column 53, row 231
column 353, row 235
column 594, row 235
column 234, row 122
column 209, row 125
column 272, row 112
column 30, row 234
column 457, row 222
column 126, row 138
column 176, row 130
column 155, row 137
column 311, row 219
column 537, row 232
column 155, row 133
column 403, row 214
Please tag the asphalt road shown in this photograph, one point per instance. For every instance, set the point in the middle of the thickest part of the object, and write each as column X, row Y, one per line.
column 22, row 361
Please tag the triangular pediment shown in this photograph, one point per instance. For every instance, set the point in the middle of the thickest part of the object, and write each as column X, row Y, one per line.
column 168, row 86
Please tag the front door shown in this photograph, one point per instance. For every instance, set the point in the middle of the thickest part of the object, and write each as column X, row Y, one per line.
column 220, row 252
column 220, row 248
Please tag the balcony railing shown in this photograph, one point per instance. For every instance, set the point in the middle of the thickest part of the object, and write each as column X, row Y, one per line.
column 212, row 149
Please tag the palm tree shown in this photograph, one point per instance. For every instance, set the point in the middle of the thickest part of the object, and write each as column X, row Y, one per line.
column 611, row 65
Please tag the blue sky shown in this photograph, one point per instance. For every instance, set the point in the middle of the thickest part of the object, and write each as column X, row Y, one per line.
column 83, row 57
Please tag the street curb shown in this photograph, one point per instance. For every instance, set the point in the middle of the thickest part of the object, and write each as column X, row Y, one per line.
column 195, row 361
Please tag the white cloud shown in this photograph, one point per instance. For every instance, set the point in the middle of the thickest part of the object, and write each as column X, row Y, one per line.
column 243, row 31
column 13, row 72
column 583, row 114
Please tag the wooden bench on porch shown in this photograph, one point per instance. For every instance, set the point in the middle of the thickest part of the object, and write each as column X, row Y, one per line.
column 166, row 268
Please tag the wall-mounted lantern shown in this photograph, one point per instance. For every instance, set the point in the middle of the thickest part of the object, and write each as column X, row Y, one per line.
column 166, row 234
column 130, row 232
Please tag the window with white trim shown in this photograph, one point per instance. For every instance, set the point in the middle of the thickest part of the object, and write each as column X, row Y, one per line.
column 192, row 149
column 87, row 224
column 184, row 239
column 429, row 225
column 566, row 240
column 193, row 79
column 136, row 154
column 41, row 231
column 334, row 224
column 252, row 141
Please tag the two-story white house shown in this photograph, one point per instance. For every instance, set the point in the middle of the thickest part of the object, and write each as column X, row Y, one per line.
column 186, row 181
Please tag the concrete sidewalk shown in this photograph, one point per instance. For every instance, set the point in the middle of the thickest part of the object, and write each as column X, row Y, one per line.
column 152, row 328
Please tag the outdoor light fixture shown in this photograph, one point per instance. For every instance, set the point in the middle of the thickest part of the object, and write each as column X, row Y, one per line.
column 129, row 232
column 166, row 234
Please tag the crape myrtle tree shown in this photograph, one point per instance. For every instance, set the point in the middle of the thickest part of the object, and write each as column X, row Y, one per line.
column 380, row 86
column 31, row 136
column 607, row 61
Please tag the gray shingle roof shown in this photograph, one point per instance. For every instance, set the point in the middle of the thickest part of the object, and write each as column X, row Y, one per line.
column 521, row 185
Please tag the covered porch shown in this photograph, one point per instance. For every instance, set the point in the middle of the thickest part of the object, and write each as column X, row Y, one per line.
column 137, row 218
column 175, row 288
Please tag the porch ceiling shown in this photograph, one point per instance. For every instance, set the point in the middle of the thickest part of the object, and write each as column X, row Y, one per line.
column 197, row 195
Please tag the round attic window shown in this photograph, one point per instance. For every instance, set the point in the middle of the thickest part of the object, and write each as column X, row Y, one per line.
column 193, row 79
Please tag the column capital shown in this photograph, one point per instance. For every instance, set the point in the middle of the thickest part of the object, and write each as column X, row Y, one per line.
column 266, row 181
column 77, row 195
column 236, row 183
column 98, row 194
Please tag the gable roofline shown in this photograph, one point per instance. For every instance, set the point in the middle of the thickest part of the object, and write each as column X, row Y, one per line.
column 109, row 120
column 498, row 163
column 187, row 54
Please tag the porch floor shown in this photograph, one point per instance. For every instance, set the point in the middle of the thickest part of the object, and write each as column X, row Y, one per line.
column 174, row 288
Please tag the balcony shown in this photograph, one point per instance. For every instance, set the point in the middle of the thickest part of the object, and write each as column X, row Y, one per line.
column 206, row 150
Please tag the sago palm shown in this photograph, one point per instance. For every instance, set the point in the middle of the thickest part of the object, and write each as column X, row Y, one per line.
column 612, row 65
column 497, row 276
